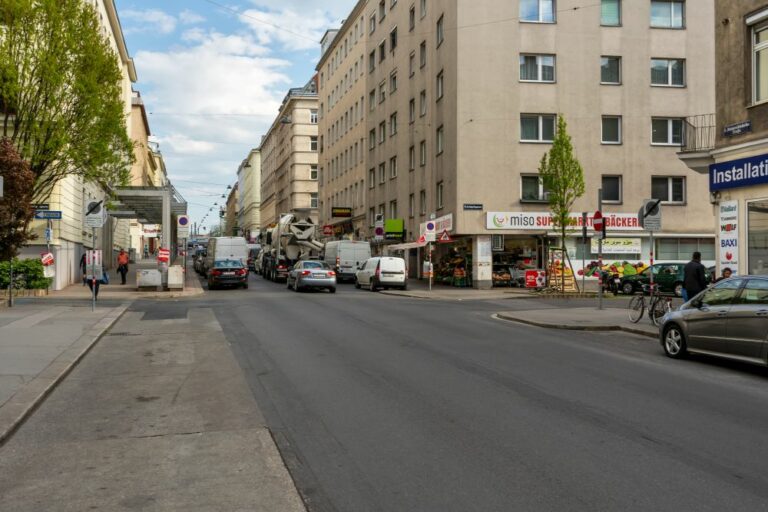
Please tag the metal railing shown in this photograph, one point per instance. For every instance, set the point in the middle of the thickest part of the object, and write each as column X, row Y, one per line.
column 699, row 133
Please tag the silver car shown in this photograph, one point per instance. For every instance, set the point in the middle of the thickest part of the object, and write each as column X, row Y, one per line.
column 728, row 319
column 312, row 274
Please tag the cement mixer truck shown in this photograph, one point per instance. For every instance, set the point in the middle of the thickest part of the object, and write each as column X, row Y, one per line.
column 293, row 239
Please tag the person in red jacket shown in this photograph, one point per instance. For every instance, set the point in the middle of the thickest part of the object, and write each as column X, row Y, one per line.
column 122, row 264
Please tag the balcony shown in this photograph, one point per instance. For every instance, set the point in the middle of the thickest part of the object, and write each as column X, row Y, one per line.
column 699, row 134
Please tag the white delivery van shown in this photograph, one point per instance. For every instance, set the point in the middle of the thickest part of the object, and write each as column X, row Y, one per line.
column 346, row 256
column 226, row 248
column 382, row 272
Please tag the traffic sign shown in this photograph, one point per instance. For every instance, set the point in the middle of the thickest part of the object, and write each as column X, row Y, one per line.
column 598, row 223
column 40, row 206
column 378, row 229
column 428, row 230
column 445, row 237
column 48, row 234
column 650, row 215
column 182, row 226
column 163, row 255
column 48, row 214
column 94, row 214
column 46, row 258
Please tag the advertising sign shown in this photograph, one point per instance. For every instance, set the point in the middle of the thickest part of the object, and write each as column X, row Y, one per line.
column 738, row 173
column 342, row 212
column 535, row 278
column 151, row 230
column 394, row 229
column 328, row 230
column 618, row 246
column 444, row 223
column 542, row 221
column 728, row 239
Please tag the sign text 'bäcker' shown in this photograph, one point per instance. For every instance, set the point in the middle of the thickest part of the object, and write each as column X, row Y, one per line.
column 541, row 221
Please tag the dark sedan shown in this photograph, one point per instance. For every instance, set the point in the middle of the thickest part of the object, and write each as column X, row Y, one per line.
column 668, row 276
column 227, row 273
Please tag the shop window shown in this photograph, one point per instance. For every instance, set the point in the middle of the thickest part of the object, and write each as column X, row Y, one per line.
column 532, row 188
column 610, row 70
column 611, row 189
column 668, row 72
column 667, row 14
column 760, row 64
column 757, row 237
column 683, row 248
column 670, row 189
column 537, row 127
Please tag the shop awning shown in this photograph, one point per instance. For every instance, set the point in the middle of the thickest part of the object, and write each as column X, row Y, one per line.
column 406, row 246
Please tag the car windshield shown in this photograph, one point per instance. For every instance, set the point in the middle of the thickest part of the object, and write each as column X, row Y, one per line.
column 315, row 264
column 227, row 264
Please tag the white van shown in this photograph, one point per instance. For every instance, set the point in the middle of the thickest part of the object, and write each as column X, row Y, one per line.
column 382, row 272
column 346, row 256
column 226, row 248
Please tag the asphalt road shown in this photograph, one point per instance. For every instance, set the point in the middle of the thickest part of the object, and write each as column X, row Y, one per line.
column 382, row 403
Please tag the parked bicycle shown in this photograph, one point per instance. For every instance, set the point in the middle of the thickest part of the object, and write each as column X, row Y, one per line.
column 656, row 305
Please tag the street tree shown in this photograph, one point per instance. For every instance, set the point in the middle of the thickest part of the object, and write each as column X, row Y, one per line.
column 563, row 178
column 15, row 206
column 60, row 94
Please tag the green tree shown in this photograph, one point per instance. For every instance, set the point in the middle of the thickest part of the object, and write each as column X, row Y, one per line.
column 563, row 177
column 15, row 209
column 61, row 98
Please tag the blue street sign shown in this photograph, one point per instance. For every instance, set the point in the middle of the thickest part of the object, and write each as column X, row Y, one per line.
column 48, row 214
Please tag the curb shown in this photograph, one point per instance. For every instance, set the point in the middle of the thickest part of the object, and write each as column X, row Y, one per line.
column 461, row 299
column 22, row 404
column 571, row 327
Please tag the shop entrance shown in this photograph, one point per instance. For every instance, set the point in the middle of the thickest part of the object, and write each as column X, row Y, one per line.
column 757, row 237
column 513, row 255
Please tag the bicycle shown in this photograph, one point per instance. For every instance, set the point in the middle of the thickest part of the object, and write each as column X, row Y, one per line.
column 656, row 304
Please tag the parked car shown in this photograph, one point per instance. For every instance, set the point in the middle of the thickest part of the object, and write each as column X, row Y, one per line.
column 669, row 277
column 729, row 319
column 227, row 272
column 312, row 274
column 198, row 261
column 253, row 252
column 225, row 248
column 257, row 262
column 345, row 256
column 382, row 272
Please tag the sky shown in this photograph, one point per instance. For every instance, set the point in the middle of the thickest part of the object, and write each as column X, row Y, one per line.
column 212, row 74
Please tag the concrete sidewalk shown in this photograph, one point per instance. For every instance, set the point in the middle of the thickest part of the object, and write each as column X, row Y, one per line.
column 158, row 417
column 419, row 289
column 584, row 319
column 39, row 345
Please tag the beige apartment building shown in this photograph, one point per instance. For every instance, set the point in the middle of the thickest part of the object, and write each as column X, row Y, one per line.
column 461, row 103
column 289, row 158
column 230, row 225
column 249, row 200
column 342, row 89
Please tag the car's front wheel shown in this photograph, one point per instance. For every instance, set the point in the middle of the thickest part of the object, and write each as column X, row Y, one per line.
column 627, row 288
column 357, row 284
column 674, row 342
column 372, row 285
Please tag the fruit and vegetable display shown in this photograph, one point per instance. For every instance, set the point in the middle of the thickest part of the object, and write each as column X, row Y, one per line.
column 620, row 268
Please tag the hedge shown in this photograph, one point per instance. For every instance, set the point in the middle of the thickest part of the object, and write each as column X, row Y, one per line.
column 27, row 275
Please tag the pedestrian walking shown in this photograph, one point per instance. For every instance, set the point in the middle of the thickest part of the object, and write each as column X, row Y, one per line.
column 122, row 264
column 695, row 277
column 82, row 268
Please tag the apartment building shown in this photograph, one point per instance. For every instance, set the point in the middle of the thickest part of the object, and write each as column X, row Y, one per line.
column 231, row 226
column 289, row 158
column 342, row 90
column 249, row 199
column 731, row 146
column 462, row 101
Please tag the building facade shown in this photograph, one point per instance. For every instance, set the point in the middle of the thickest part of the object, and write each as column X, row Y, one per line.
column 342, row 89
column 461, row 103
column 231, row 226
column 289, row 158
column 731, row 146
column 249, row 201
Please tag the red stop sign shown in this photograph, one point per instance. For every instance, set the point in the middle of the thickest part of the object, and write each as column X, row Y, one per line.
column 597, row 221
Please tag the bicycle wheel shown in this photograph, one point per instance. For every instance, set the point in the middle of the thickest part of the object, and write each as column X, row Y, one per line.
column 636, row 308
column 656, row 310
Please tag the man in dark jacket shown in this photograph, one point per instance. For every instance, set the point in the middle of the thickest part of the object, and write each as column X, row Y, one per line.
column 695, row 279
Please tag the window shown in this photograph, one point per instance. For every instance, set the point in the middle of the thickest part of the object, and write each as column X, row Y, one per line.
column 537, row 127
column 382, row 91
column 412, row 64
column 532, row 188
column 393, row 39
column 382, row 173
column 760, row 64
column 412, row 18
column 313, row 143
column 393, row 167
column 611, row 130
column 423, row 54
column 393, row 124
column 439, row 31
column 611, row 186
column 423, row 10
column 372, row 23
column 313, row 200
column 610, row 70
column 371, row 216
column 382, row 132
column 439, row 86
column 423, row 103
column 393, row 209
column 537, row 68
column 393, row 82
column 372, row 139
column 381, row 211
column 666, row 132
column 610, row 13
column 755, row 292
column 439, row 138
column 411, row 205
column 411, row 158
column 670, row 190
column 382, row 9
column 371, row 177
column 722, row 294
column 439, row 193
column 313, row 172
column 423, row 153
column 682, row 248
column 313, row 116
column 423, row 202
column 537, row 11
column 667, row 14
column 372, row 61
column 668, row 72
column 382, row 50
column 372, row 100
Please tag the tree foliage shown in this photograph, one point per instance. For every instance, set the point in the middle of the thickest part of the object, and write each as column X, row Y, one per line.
column 563, row 177
column 15, row 209
column 60, row 93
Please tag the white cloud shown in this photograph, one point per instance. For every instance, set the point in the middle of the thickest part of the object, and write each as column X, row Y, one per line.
column 149, row 20
column 187, row 17
column 292, row 28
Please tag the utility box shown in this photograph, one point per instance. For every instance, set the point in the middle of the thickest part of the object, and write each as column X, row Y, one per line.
column 148, row 278
column 175, row 277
